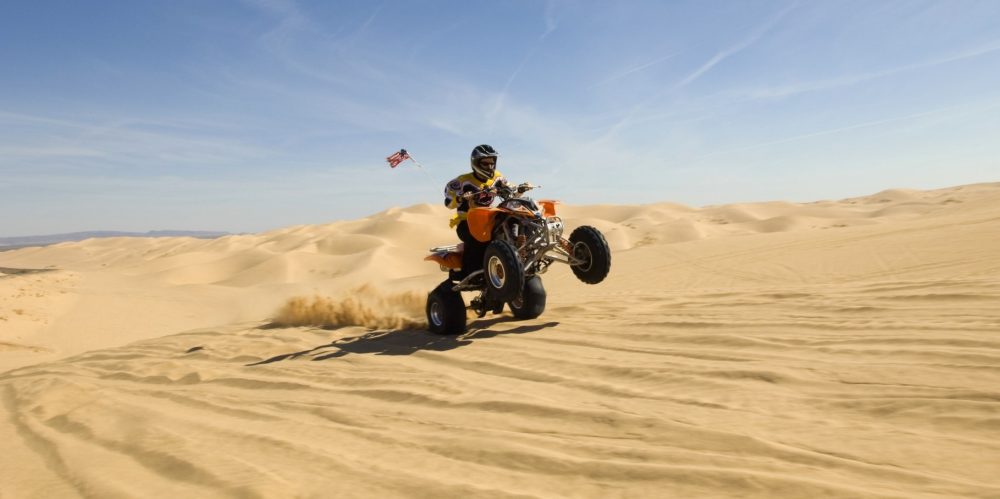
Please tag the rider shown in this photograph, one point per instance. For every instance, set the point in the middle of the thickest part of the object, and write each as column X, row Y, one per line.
column 467, row 190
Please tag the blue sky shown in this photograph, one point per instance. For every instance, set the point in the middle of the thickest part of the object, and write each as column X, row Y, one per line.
column 259, row 114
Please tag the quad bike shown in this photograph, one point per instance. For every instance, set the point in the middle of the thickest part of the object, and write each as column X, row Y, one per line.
column 524, row 237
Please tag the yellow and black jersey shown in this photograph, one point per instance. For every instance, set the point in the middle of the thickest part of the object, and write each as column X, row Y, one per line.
column 468, row 182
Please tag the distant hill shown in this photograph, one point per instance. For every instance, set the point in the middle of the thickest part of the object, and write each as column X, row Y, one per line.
column 8, row 243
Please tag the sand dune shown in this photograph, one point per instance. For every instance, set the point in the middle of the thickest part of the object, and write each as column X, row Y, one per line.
column 832, row 349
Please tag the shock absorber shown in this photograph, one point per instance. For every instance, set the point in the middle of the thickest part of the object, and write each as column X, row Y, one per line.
column 566, row 245
column 522, row 249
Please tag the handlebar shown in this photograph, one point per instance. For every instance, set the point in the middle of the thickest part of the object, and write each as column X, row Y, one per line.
column 505, row 191
column 508, row 191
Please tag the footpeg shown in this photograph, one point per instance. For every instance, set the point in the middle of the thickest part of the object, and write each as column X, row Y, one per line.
column 478, row 306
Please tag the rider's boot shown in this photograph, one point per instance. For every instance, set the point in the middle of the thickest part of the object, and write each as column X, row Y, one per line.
column 497, row 306
column 490, row 302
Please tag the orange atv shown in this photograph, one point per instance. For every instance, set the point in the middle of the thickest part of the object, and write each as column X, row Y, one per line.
column 524, row 237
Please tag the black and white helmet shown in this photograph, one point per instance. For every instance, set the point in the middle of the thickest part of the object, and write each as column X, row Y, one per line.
column 483, row 171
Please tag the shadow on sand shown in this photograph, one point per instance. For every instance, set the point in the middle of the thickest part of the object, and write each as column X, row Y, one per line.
column 403, row 341
column 7, row 271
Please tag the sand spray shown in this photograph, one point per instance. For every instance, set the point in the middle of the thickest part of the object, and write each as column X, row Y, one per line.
column 364, row 306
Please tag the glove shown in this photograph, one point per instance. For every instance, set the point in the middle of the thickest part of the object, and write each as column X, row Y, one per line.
column 484, row 197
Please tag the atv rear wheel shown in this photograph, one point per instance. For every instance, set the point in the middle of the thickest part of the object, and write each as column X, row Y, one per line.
column 591, row 250
column 504, row 271
column 531, row 303
column 445, row 310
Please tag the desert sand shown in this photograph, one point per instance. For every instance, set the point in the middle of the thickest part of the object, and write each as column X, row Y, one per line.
column 843, row 348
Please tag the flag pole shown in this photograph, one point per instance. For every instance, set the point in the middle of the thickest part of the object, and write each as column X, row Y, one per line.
column 414, row 160
column 404, row 155
column 420, row 166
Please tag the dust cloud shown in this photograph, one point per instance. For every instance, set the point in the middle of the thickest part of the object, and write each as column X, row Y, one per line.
column 364, row 306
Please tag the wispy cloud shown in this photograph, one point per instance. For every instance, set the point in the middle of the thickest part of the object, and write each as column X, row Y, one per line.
column 40, row 152
column 107, row 142
column 290, row 19
column 370, row 20
column 305, row 46
column 551, row 17
column 736, row 48
column 740, row 46
column 501, row 97
column 854, row 79
column 946, row 112
column 426, row 37
column 550, row 26
column 635, row 69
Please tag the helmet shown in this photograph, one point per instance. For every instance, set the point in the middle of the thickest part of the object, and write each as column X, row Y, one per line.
column 483, row 172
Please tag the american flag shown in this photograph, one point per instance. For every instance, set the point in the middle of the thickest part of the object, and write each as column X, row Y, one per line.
column 397, row 158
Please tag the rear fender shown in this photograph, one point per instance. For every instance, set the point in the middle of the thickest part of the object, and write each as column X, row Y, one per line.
column 450, row 260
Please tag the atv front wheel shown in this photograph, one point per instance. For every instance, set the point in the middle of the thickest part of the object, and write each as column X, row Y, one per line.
column 504, row 271
column 531, row 303
column 591, row 250
column 445, row 310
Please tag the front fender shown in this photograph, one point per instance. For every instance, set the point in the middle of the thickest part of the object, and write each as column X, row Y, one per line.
column 481, row 222
column 548, row 207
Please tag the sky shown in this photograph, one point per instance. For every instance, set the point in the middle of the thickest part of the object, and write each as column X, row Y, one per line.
column 245, row 116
